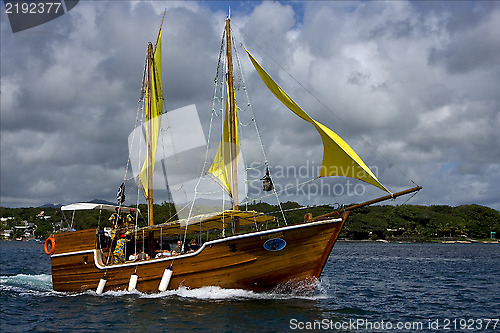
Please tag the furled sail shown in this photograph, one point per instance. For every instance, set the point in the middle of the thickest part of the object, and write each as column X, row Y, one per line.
column 154, row 110
column 221, row 166
column 339, row 159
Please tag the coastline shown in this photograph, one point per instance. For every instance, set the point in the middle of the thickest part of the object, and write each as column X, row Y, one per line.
column 411, row 240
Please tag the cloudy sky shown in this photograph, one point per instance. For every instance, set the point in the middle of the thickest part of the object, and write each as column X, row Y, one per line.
column 413, row 87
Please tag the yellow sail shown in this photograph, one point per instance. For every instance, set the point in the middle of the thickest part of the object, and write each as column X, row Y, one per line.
column 338, row 158
column 153, row 116
column 221, row 166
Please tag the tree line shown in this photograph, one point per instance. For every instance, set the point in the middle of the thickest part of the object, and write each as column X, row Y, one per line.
column 406, row 221
column 372, row 222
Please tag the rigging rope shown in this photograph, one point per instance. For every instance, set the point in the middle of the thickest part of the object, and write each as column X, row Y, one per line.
column 217, row 88
column 366, row 141
column 174, row 151
column 250, row 105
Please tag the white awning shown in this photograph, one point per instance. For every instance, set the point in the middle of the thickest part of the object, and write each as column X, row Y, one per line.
column 88, row 206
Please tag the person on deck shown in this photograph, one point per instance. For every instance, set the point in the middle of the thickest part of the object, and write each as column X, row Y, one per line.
column 193, row 245
column 130, row 218
column 178, row 249
column 162, row 253
column 119, row 252
column 115, row 220
column 138, row 256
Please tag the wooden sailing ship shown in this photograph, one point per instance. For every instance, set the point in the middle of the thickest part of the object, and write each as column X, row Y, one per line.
column 258, row 255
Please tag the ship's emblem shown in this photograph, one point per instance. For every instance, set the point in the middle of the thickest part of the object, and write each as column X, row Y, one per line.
column 275, row 244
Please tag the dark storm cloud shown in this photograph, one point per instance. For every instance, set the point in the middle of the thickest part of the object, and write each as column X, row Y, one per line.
column 411, row 86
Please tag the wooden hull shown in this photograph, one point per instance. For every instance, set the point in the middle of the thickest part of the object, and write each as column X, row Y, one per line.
column 232, row 262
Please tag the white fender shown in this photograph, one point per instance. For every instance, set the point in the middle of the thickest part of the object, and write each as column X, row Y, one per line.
column 133, row 282
column 165, row 280
column 100, row 287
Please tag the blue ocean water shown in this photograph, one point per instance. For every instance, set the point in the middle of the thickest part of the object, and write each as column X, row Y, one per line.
column 364, row 287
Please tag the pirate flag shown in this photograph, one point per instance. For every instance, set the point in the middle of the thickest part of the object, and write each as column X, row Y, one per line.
column 120, row 195
column 267, row 183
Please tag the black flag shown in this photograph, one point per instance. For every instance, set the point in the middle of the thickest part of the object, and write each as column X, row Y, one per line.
column 120, row 195
column 267, row 183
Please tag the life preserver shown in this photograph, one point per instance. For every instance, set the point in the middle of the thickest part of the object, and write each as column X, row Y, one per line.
column 52, row 245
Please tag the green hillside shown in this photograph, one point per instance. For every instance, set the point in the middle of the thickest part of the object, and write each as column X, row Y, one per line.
column 420, row 223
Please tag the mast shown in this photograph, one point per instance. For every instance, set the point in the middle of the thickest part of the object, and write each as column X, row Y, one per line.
column 232, row 116
column 150, row 139
column 149, row 116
